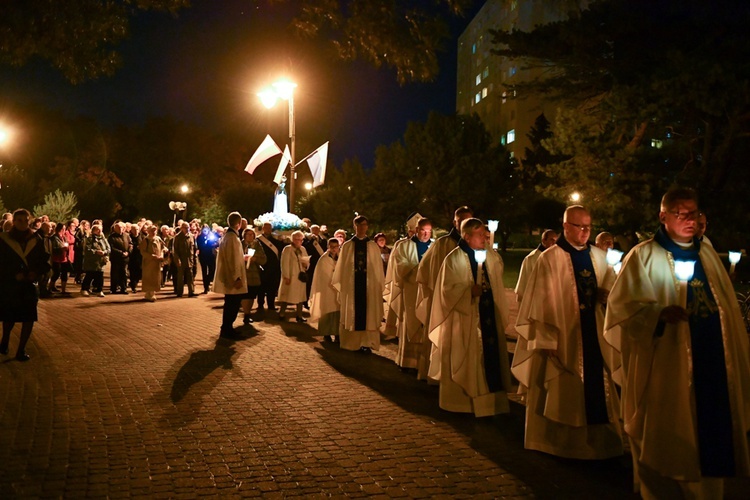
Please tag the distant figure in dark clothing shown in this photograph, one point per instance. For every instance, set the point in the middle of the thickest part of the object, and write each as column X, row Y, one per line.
column 120, row 247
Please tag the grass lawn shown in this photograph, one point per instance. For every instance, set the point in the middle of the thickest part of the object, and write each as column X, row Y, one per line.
column 512, row 260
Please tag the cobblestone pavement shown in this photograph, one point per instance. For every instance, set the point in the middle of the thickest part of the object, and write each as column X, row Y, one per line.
column 123, row 398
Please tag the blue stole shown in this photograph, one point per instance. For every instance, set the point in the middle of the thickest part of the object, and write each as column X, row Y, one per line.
column 421, row 247
column 714, row 417
column 593, row 363
column 487, row 323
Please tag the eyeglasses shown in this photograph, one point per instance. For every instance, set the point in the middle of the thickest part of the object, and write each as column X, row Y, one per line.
column 580, row 227
column 683, row 216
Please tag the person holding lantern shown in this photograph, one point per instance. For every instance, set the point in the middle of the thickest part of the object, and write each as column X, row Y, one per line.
column 468, row 320
column 686, row 367
column 569, row 370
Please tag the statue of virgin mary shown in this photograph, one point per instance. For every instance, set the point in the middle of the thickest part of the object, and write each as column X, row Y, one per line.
column 280, row 206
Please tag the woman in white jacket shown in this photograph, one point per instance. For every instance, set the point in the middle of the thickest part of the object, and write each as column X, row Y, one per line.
column 294, row 263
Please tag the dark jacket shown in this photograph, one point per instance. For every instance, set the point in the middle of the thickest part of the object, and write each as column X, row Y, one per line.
column 119, row 244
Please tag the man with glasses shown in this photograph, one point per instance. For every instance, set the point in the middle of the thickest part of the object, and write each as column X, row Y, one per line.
column 572, row 408
column 686, row 368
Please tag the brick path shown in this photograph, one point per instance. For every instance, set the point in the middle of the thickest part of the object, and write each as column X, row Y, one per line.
column 124, row 398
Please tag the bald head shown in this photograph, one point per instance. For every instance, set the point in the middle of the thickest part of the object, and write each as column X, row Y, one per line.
column 605, row 241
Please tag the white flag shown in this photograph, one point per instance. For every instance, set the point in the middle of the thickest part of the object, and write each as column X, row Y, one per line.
column 286, row 159
column 317, row 161
column 267, row 149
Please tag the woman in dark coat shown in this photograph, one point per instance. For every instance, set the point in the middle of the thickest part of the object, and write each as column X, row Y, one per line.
column 22, row 261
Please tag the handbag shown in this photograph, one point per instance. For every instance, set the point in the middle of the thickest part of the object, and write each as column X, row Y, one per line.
column 302, row 276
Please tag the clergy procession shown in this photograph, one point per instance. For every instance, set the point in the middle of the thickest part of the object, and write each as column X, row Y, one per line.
column 607, row 358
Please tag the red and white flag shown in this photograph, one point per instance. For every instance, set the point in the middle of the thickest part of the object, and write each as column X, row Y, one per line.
column 267, row 149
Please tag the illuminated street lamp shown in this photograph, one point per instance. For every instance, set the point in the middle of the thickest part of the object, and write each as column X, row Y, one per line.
column 4, row 135
column 184, row 189
column 308, row 186
column 575, row 196
column 284, row 89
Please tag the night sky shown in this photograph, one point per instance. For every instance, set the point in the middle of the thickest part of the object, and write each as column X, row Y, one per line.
column 206, row 65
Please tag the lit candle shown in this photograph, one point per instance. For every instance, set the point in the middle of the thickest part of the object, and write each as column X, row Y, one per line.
column 250, row 253
column 480, row 256
column 734, row 258
column 492, row 226
column 613, row 258
column 684, row 270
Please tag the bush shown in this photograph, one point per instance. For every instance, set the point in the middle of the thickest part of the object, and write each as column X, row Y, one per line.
column 59, row 206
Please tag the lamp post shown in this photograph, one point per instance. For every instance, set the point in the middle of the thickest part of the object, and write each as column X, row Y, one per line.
column 284, row 89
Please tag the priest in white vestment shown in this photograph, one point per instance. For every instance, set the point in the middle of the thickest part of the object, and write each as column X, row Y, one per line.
column 324, row 298
column 686, row 372
column 572, row 408
column 403, row 263
column 468, row 319
column 427, row 274
column 359, row 280
column 549, row 237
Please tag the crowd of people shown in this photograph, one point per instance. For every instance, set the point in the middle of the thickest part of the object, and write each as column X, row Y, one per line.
column 638, row 352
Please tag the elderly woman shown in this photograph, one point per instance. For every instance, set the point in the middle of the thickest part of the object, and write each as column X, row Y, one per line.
column 252, row 264
column 152, row 250
column 63, row 243
column 95, row 254
column 292, row 289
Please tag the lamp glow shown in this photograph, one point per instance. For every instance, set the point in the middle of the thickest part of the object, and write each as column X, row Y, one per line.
column 284, row 88
column 575, row 196
column 268, row 98
column 613, row 256
column 734, row 258
column 684, row 270
column 492, row 226
column 184, row 189
column 481, row 257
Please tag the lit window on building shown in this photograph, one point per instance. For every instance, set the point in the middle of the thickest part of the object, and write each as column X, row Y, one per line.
column 484, row 92
column 514, row 5
column 656, row 143
column 502, row 140
column 510, row 136
column 478, row 79
column 478, row 97
column 486, row 72
column 474, row 48
column 512, row 155
column 505, row 97
column 512, row 70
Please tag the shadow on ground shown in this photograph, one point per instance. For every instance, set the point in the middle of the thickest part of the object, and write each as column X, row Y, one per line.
column 193, row 378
